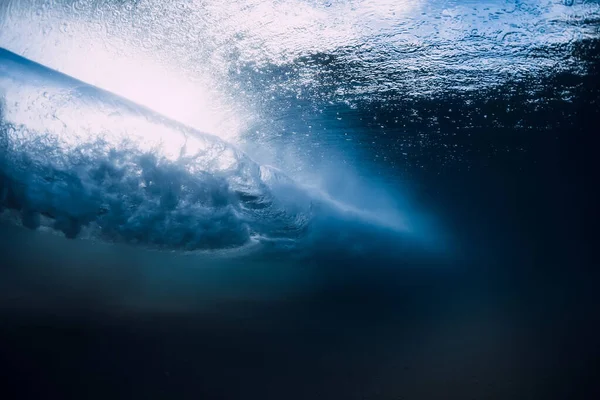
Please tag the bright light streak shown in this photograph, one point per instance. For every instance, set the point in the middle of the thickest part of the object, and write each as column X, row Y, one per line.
column 145, row 82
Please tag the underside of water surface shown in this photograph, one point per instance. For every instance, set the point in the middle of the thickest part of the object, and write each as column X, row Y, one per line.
column 299, row 199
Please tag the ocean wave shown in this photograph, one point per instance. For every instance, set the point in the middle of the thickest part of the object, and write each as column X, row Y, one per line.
column 85, row 162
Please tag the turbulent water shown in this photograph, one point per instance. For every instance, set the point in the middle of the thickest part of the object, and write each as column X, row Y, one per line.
column 345, row 199
column 263, row 78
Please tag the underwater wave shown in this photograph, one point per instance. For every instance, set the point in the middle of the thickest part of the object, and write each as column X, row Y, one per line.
column 79, row 160
column 76, row 158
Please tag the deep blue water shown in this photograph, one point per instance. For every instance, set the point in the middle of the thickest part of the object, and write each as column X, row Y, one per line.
column 426, row 230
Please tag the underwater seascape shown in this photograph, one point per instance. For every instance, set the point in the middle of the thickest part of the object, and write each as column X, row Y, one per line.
column 299, row 199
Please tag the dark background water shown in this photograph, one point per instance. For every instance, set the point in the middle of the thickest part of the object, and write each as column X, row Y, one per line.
column 512, row 313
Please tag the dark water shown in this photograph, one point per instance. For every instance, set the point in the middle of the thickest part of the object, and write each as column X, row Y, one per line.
column 508, row 308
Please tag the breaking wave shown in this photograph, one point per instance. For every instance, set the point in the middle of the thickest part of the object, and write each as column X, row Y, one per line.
column 83, row 161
